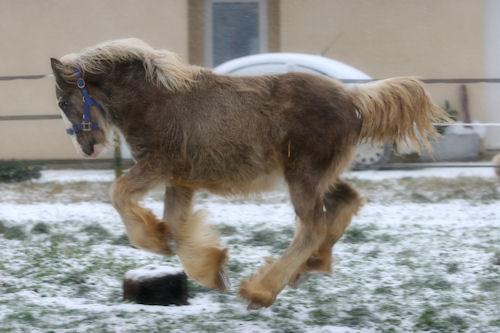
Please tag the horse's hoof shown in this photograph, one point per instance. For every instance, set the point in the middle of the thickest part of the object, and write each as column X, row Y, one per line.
column 223, row 283
column 254, row 306
column 256, row 293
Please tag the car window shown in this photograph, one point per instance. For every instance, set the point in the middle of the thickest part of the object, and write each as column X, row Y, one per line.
column 301, row 68
column 273, row 68
column 256, row 69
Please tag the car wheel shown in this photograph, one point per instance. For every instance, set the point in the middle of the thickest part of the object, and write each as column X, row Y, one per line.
column 371, row 156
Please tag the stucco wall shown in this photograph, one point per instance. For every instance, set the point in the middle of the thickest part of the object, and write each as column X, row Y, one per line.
column 492, row 69
column 32, row 31
column 385, row 38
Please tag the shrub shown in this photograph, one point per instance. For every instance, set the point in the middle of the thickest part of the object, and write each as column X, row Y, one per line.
column 452, row 113
column 14, row 232
column 41, row 228
column 17, row 172
column 355, row 235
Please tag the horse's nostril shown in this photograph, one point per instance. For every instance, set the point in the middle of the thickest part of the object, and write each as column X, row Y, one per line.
column 88, row 149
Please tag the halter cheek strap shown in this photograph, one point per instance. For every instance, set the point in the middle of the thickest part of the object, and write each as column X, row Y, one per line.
column 88, row 101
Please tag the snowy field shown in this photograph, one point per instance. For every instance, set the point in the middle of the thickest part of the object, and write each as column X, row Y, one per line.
column 423, row 255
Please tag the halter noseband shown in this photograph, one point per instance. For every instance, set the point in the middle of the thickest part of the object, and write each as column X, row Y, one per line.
column 88, row 101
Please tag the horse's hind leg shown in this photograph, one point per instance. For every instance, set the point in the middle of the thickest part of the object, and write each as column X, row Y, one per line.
column 143, row 228
column 201, row 255
column 261, row 289
column 341, row 202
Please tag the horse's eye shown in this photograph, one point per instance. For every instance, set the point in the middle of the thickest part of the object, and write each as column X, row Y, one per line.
column 63, row 105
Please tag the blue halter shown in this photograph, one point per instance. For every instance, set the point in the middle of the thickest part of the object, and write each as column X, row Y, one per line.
column 88, row 101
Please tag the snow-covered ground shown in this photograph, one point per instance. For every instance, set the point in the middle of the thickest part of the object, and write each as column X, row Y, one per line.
column 423, row 254
column 484, row 172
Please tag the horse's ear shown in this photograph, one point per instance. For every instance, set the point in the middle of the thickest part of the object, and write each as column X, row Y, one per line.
column 58, row 70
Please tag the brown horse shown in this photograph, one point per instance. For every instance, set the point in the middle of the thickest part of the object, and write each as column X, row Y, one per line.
column 190, row 129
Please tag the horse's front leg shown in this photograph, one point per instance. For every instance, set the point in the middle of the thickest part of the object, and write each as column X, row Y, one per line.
column 143, row 228
column 197, row 246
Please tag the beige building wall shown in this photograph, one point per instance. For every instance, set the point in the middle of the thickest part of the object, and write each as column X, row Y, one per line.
column 32, row 31
column 385, row 38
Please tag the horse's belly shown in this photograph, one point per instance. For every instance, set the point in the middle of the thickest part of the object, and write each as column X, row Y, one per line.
column 261, row 183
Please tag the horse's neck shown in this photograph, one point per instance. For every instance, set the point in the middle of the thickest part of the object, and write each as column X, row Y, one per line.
column 137, row 108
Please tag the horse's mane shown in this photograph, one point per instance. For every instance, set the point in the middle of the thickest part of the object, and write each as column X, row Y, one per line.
column 161, row 67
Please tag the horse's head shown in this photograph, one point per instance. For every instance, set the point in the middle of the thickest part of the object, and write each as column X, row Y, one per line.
column 80, row 102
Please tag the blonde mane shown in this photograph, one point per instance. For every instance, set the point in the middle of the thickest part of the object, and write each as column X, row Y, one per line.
column 162, row 67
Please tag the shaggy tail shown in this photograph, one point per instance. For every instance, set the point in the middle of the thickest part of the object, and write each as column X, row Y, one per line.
column 399, row 110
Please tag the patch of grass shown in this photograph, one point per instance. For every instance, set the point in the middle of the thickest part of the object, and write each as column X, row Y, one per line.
column 54, row 192
column 244, row 316
column 357, row 316
column 452, row 268
column 286, row 327
column 268, row 237
column 17, row 172
column 392, row 308
column 418, row 197
column 433, row 282
column 489, row 284
column 384, row 290
column 73, row 278
column 355, row 235
column 195, row 288
column 319, row 317
column 62, row 238
column 82, row 290
column 282, row 311
column 59, row 264
column 96, row 232
column 40, row 228
column 23, row 316
column 207, row 327
column 7, row 288
column 263, row 237
column 457, row 323
column 429, row 190
column 385, row 238
column 235, row 266
column 495, row 323
column 438, row 283
column 121, row 240
column 441, row 189
column 406, row 262
column 227, row 230
column 489, row 196
column 429, row 320
column 496, row 259
column 14, row 232
column 373, row 253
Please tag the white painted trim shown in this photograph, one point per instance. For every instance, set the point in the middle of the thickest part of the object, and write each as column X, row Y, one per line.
column 491, row 26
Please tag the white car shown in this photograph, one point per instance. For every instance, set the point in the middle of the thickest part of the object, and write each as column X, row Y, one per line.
column 367, row 156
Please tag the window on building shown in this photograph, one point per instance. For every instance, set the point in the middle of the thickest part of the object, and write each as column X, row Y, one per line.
column 234, row 29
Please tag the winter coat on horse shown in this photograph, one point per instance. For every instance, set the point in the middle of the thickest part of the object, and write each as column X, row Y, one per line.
column 190, row 129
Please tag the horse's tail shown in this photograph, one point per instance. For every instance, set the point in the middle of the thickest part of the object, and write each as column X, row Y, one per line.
column 399, row 110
